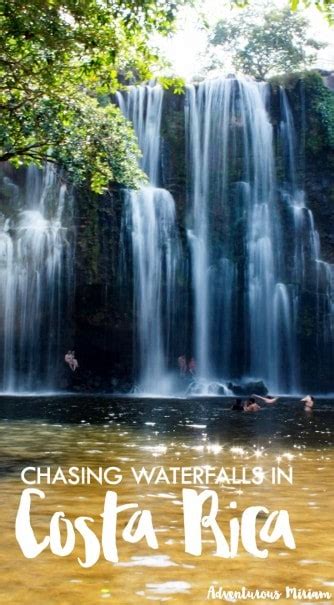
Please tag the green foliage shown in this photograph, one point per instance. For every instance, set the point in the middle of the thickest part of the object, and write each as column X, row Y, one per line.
column 310, row 97
column 320, row 111
column 275, row 41
column 95, row 144
column 324, row 108
column 54, row 53
column 175, row 85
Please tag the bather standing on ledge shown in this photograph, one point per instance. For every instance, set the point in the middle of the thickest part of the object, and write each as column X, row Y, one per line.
column 71, row 360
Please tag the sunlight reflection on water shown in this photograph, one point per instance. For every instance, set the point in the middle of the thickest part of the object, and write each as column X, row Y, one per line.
column 50, row 433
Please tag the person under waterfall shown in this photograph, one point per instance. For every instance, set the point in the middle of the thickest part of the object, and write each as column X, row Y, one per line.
column 182, row 363
column 192, row 366
column 68, row 358
column 71, row 360
column 75, row 363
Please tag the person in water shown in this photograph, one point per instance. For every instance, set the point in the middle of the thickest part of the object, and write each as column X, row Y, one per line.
column 182, row 362
column 75, row 364
column 238, row 405
column 71, row 360
column 251, row 406
column 68, row 358
column 269, row 400
column 192, row 366
column 309, row 403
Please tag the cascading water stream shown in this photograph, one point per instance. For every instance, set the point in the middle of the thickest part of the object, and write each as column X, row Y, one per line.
column 226, row 128
column 234, row 235
column 310, row 272
column 207, row 130
column 149, row 216
column 36, row 273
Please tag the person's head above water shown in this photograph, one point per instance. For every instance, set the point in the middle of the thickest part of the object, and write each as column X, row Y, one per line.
column 309, row 401
column 249, row 402
column 251, row 405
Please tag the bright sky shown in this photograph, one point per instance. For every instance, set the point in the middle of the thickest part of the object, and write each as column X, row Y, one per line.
column 185, row 50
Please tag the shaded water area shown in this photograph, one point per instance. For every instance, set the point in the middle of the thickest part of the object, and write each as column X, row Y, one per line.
column 104, row 431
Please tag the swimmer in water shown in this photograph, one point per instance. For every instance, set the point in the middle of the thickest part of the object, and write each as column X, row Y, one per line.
column 251, row 406
column 309, row 403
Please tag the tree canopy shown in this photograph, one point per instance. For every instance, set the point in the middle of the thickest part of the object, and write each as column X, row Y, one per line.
column 267, row 43
column 57, row 58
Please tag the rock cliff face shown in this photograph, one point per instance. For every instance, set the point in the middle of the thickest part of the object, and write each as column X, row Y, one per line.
column 102, row 317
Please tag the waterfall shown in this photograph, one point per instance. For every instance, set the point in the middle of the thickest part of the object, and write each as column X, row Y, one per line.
column 36, row 274
column 142, row 105
column 208, row 108
column 149, row 218
column 234, row 234
column 230, row 157
column 254, row 247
